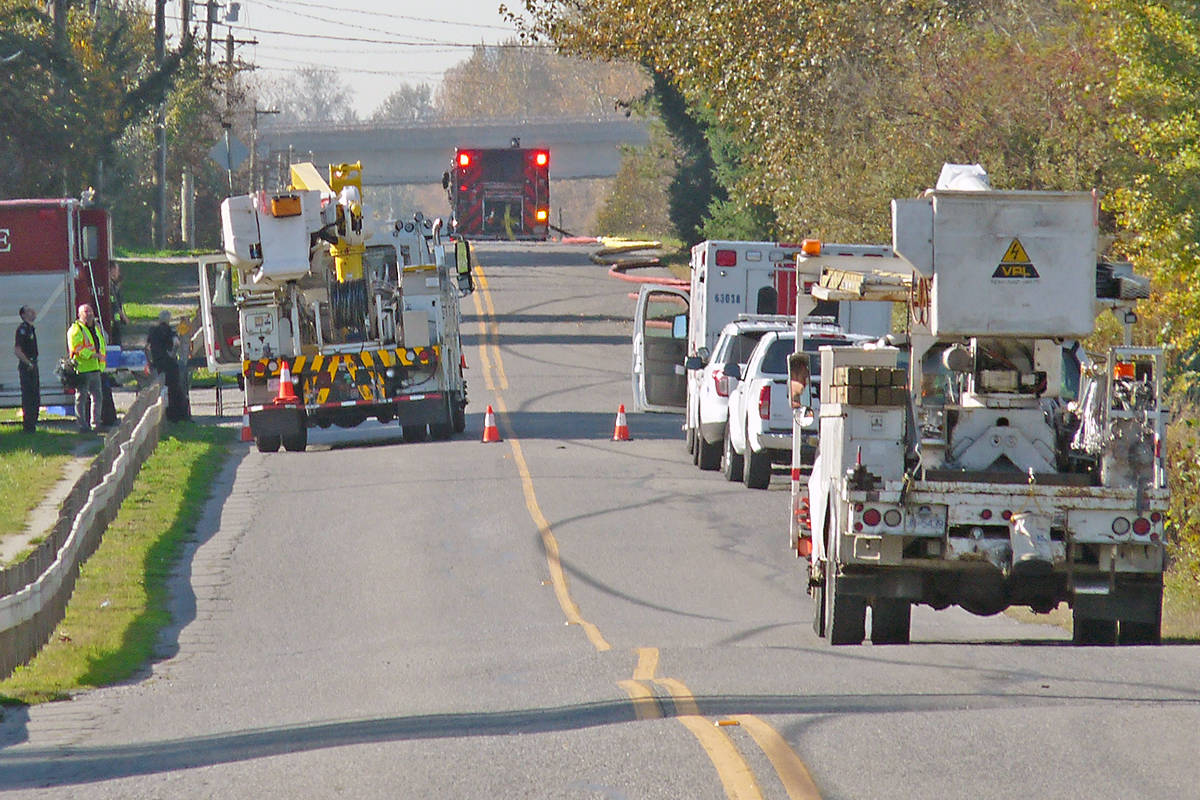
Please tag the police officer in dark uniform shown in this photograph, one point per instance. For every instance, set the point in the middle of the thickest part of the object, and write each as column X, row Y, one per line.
column 26, row 351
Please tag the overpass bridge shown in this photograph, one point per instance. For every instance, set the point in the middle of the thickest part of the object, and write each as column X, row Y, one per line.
column 396, row 155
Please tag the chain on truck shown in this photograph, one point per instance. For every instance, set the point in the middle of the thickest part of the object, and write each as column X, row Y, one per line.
column 363, row 324
column 987, row 461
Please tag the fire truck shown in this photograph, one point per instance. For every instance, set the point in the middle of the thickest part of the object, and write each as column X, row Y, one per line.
column 54, row 255
column 499, row 193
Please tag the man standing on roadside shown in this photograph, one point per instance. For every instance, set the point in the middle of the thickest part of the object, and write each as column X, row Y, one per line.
column 26, row 351
column 85, row 345
column 162, row 342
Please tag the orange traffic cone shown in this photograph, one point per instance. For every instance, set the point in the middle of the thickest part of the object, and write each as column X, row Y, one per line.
column 621, row 429
column 490, row 432
column 247, row 436
column 287, row 392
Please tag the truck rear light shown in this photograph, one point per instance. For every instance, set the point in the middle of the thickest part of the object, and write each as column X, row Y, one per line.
column 872, row 517
column 764, row 402
column 1156, row 517
column 1141, row 526
column 464, row 159
column 1006, row 515
column 985, row 514
column 1120, row 526
column 804, row 546
column 727, row 258
column 721, row 383
column 542, row 214
column 542, row 158
column 858, row 507
column 892, row 517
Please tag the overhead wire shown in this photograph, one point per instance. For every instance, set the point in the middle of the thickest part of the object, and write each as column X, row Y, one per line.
column 385, row 15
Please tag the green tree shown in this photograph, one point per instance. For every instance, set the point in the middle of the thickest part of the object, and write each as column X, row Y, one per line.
column 512, row 81
column 409, row 103
column 1157, row 122
column 71, row 86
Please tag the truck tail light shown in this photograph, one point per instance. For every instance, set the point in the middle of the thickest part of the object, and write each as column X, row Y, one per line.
column 892, row 517
column 721, row 383
column 872, row 517
column 542, row 214
column 464, row 159
column 764, row 402
column 1141, row 526
column 542, row 158
column 727, row 258
column 1120, row 526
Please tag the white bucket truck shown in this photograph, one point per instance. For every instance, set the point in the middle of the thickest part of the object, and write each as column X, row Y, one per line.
column 986, row 462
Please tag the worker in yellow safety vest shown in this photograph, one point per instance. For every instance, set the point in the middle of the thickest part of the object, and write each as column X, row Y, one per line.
column 86, row 349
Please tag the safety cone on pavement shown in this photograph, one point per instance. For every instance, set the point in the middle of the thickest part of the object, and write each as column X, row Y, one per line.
column 287, row 392
column 621, row 429
column 247, row 436
column 490, row 432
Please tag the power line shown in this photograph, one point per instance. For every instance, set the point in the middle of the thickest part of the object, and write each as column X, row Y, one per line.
column 384, row 14
column 328, row 21
column 395, row 42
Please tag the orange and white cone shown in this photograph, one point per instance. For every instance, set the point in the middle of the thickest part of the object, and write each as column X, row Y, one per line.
column 490, row 432
column 247, row 436
column 621, row 429
column 287, row 392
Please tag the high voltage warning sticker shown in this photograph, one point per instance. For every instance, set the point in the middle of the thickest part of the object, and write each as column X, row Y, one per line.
column 1016, row 263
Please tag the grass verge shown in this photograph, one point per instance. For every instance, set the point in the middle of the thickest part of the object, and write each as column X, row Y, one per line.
column 31, row 463
column 120, row 600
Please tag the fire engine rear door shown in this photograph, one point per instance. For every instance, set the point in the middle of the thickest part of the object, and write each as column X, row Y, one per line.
column 660, row 337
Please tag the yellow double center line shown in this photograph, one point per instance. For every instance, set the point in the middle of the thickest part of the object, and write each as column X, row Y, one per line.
column 736, row 776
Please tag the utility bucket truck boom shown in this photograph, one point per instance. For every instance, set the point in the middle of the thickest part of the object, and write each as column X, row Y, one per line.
column 986, row 461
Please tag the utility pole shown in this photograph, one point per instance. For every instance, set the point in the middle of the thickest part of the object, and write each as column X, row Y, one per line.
column 160, row 205
column 211, row 6
column 254, row 145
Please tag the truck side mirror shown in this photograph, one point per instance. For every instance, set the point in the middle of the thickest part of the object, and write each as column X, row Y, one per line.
column 733, row 370
column 445, row 180
column 679, row 326
column 799, row 374
column 693, row 362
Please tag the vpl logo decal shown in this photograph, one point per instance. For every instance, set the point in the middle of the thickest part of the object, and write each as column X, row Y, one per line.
column 1016, row 263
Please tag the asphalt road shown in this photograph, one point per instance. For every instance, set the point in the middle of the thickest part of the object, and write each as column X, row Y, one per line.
column 563, row 616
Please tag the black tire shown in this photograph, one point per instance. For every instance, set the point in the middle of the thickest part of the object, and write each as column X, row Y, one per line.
column 296, row 442
column 267, row 443
column 1139, row 632
column 731, row 462
column 818, row 599
column 414, row 433
column 458, row 412
column 756, row 470
column 708, row 456
column 696, row 450
column 441, row 431
column 1088, row 630
column 846, row 617
column 689, row 438
column 891, row 621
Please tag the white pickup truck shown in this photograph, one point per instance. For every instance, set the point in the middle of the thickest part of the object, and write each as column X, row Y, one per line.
column 759, row 428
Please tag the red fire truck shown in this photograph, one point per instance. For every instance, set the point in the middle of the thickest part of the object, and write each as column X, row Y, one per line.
column 499, row 193
column 54, row 255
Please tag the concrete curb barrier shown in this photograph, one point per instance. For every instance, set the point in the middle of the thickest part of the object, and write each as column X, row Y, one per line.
column 34, row 593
